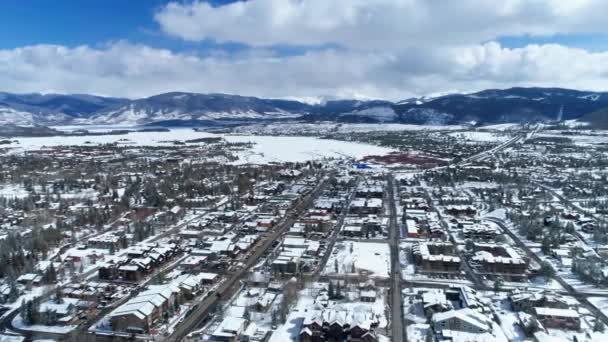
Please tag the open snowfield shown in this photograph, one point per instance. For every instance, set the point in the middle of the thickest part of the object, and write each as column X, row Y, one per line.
column 591, row 139
column 331, row 127
column 266, row 148
column 371, row 257
column 481, row 136
column 502, row 127
column 13, row 191
column 18, row 191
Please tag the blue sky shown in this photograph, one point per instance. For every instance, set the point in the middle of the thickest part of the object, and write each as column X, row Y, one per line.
column 589, row 41
column 93, row 22
column 309, row 49
column 78, row 22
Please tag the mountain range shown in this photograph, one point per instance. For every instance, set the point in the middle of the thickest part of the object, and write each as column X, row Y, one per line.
column 180, row 108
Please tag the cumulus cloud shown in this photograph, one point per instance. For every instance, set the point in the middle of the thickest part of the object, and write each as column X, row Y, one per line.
column 378, row 24
column 134, row 70
column 387, row 49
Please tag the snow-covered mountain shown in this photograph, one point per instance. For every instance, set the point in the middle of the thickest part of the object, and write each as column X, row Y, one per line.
column 51, row 109
column 501, row 106
column 488, row 106
column 190, row 106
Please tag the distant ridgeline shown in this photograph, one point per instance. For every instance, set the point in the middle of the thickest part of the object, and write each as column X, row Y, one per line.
column 514, row 105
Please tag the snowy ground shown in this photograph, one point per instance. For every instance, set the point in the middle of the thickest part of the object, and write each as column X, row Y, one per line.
column 481, row 136
column 291, row 329
column 331, row 127
column 371, row 257
column 19, row 191
column 266, row 148
column 56, row 329
column 582, row 139
column 502, row 127
column 417, row 332
column 13, row 191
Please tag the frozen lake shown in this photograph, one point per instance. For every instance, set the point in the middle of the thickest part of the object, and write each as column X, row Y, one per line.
column 266, row 148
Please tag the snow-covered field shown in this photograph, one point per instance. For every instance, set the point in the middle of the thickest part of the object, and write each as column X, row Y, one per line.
column 349, row 256
column 481, row 136
column 266, row 148
column 590, row 139
column 332, row 127
column 502, row 127
column 298, row 149
column 18, row 191
column 13, row 191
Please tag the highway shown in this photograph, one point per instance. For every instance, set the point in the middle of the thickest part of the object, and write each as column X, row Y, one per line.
column 486, row 154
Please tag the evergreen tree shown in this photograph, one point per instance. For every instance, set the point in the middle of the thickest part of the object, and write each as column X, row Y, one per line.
column 273, row 318
column 498, row 282
column 598, row 326
column 24, row 311
column 51, row 274
column 339, row 291
column 547, row 270
column 429, row 335
column 247, row 315
column 13, row 293
column 469, row 245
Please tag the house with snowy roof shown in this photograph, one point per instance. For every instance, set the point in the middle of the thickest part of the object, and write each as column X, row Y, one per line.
column 339, row 323
column 467, row 320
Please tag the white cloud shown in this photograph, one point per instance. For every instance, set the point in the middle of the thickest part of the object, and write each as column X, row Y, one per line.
column 390, row 49
column 131, row 70
column 378, row 24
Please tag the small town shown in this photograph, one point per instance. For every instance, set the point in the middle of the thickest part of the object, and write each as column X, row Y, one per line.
column 303, row 171
column 187, row 240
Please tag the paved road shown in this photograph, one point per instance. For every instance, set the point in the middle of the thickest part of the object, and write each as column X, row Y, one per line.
column 464, row 260
column 336, row 232
column 485, row 154
column 571, row 290
column 398, row 332
column 202, row 308
column 568, row 203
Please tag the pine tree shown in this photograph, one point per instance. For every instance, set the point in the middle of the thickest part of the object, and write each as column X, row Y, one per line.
column 498, row 284
column 598, row 326
column 13, row 293
column 51, row 274
column 247, row 315
column 59, row 296
column 273, row 318
column 23, row 311
column 429, row 335
column 339, row 291
column 547, row 270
